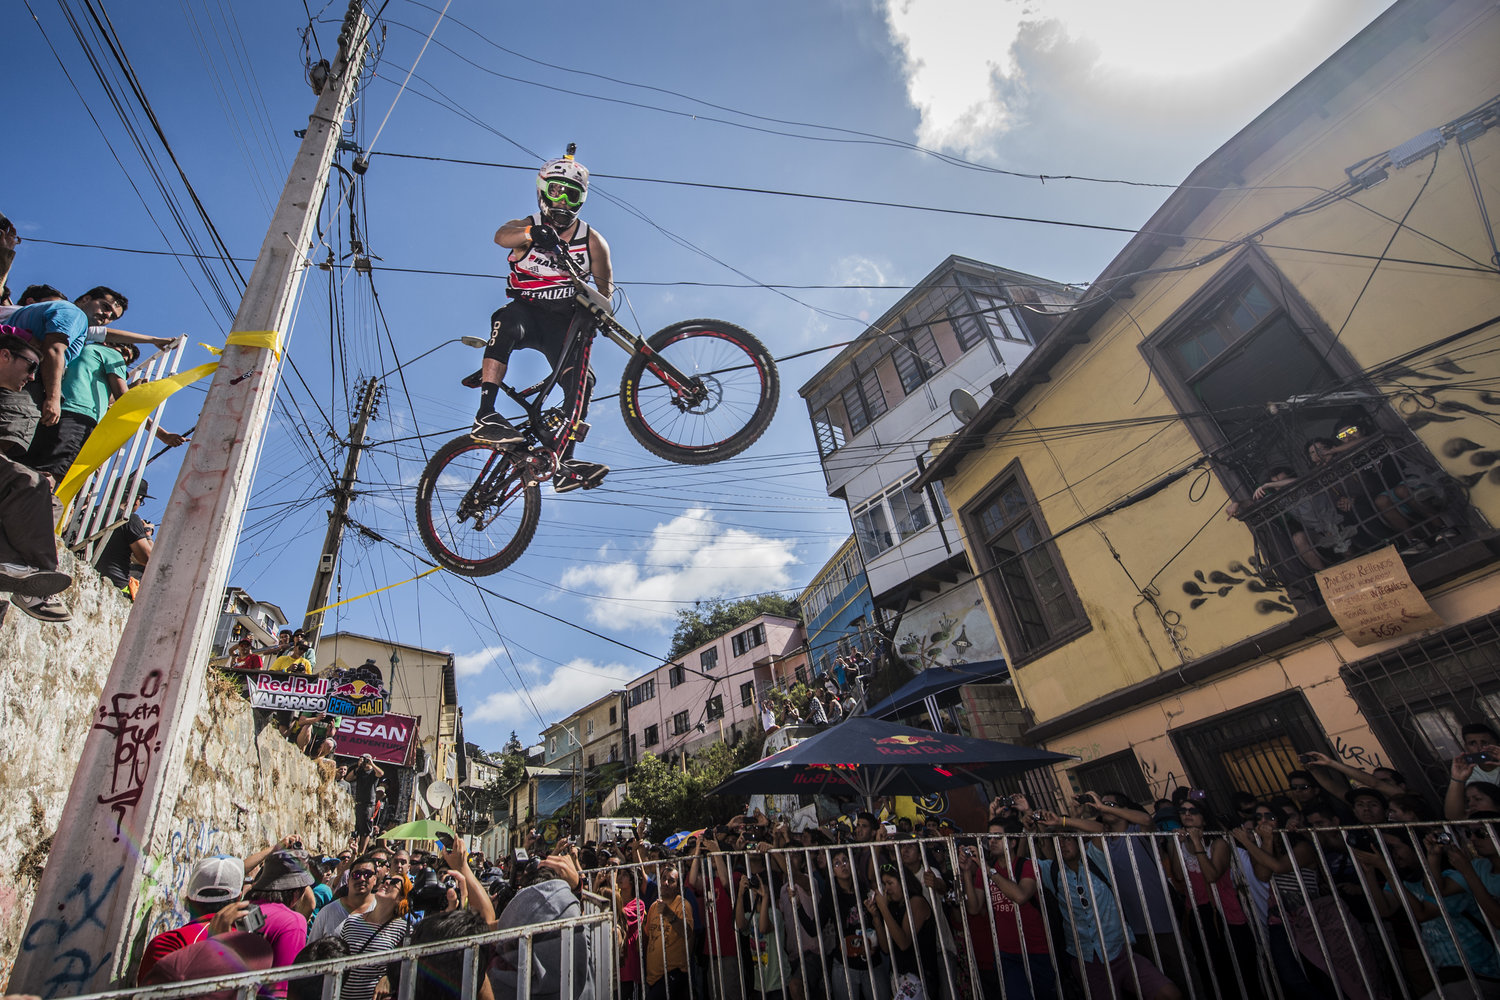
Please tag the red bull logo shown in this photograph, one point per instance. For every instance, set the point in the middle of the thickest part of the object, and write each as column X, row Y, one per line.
column 905, row 745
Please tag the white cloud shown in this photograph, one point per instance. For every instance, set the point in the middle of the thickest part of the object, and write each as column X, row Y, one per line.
column 478, row 662
column 976, row 69
column 689, row 558
column 569, row 688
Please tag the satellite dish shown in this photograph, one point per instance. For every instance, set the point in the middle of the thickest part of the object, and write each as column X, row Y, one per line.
column 963, row 404
column 439, row 794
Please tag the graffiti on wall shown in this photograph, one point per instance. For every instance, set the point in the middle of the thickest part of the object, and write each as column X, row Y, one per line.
column 1237, row 578
column 954, row 628
column 165, row 882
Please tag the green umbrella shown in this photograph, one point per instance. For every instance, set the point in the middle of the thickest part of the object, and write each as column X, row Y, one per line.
column 422, row 829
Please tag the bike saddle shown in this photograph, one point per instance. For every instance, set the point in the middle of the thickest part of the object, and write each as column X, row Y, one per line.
column 471, row 381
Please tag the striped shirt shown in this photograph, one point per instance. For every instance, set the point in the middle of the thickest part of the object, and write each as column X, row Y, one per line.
column 364, row 938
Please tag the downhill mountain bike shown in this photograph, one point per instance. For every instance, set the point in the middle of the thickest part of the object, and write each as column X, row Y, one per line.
column 697, row 392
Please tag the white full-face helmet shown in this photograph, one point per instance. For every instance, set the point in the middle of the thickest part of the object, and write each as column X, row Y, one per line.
column 562, row 185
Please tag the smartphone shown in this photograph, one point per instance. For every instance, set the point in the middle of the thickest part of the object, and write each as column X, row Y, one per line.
column 521, row 856
column 1444, row 838
column 1304, row 758
column 1476, row 758
column 252, row 921
column 890, row 829
column 447, row 844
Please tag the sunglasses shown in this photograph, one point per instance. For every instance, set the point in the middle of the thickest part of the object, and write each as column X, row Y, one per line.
column 1083, row 896
column 379, row 862
column 362, row 873
column 391, row 880
column 31, row 366
column 1300, row 788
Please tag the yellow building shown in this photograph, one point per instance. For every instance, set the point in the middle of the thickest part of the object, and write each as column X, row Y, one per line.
column 422, row 684
column 1327, row 273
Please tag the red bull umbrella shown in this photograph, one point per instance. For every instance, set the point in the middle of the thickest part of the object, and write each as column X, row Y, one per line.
column 866, row 757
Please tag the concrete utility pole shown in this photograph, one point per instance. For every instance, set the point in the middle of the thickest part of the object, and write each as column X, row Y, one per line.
column 119, row 809
column 322, row 585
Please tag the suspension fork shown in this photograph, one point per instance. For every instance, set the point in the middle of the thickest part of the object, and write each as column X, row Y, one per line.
column 688, row 391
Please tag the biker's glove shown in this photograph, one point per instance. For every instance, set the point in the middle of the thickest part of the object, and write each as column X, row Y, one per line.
column 543, row 237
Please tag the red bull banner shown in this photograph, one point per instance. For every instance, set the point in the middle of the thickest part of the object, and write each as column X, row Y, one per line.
column 386, row 738
column 359, row 692
column 288, row 692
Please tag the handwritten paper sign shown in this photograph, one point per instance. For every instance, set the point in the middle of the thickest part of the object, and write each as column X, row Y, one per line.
column 1372, row 598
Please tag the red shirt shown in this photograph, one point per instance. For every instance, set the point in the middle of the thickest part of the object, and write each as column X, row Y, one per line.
column 167, row 942
column 721, row 937
column 1009, row 936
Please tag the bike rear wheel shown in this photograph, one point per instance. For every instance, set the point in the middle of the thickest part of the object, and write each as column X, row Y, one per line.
column 734, row 375
column 475, row 513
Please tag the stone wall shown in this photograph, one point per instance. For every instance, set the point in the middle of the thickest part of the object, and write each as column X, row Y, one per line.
column 242, row 789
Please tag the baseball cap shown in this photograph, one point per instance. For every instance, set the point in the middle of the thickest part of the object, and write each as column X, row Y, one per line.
column 216, row 878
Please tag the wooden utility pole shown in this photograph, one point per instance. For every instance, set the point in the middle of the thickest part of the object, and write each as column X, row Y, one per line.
column 119, row 808
column 343, row 492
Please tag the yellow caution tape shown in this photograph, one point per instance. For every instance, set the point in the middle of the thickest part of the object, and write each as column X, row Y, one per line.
column 127, row 413
column 372, row 593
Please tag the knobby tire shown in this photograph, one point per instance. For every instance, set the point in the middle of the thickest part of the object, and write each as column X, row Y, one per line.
column 457, row 472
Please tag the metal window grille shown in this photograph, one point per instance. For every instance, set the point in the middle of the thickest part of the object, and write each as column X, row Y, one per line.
column 1117, row 772
column 1418, row 697
column 1250, row 749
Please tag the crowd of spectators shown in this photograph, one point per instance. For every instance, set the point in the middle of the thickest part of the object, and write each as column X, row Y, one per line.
column 837, row 693
column 61, row 364
column 287, row 906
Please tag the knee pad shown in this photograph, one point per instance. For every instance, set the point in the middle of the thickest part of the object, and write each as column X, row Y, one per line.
column 505, row 334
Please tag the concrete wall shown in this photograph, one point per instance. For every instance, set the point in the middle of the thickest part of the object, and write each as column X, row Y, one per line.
column 241, row 790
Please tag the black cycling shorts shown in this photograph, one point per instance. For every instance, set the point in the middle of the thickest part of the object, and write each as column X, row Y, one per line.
column 541, row 326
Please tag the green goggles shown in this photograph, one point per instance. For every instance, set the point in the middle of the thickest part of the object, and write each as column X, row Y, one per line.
column 563, row 193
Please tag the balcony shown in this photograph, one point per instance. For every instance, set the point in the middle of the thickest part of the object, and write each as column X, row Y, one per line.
column 1377, row 492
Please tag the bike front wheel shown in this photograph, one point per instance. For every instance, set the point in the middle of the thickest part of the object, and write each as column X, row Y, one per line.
column 728, row 403
column 475, row 512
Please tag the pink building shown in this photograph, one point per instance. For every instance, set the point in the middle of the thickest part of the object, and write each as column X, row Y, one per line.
column 713, row 692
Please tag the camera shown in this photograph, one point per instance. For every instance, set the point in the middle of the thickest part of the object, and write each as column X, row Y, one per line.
column 1476, row 758
column 252, row 921
column 1445, row 838
column 1082, row 800
column 1305, row 758
column 296, row 845
column 752, row 881
column 1036, row 816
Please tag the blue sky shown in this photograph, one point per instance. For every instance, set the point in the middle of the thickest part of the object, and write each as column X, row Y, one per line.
column 823, row 99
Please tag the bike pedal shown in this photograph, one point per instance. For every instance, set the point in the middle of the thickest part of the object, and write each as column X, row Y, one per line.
column 580, row 431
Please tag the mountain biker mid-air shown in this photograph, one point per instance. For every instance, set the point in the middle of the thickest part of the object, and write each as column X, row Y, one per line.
column 542, row 307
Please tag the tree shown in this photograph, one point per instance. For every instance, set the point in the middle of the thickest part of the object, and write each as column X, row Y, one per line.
column 707, row 620
column 669, row 800
column 512, row 764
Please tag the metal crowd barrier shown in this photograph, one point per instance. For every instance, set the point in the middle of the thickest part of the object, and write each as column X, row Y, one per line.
column 427, row 971
column 1314, row 930
column 96, row 509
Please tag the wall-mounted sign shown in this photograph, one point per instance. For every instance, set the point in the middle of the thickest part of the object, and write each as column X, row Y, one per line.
column 288, row 692
column 1372, row 598
column 386, row 738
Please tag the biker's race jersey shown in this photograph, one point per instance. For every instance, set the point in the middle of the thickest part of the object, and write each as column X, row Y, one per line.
column 539, row 274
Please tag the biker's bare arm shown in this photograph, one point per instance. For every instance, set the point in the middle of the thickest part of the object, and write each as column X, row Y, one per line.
column 514, row 235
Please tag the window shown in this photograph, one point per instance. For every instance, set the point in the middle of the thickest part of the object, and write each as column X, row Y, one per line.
column 677, row 675
column 863, row 399
column 709, row 658
column 552, row 746
column 747, row 694
column 680, row 723
column 1022, row 569
column 991, row 315
column 801, row 673
column 909, row 511
column 748, row 640
column 714, row 707
column 614, row 714
column 614, row 752
column 651, row 736
column 588, row 730
column 828, row 432
column 872, row 526
column 1251, row 748
column 1418, row 697
column 1118, row 772
column 591, row 760
column 916, row 359
column 1233, row 351
column 643, row 692
column 633, row 748
column 892, row 517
